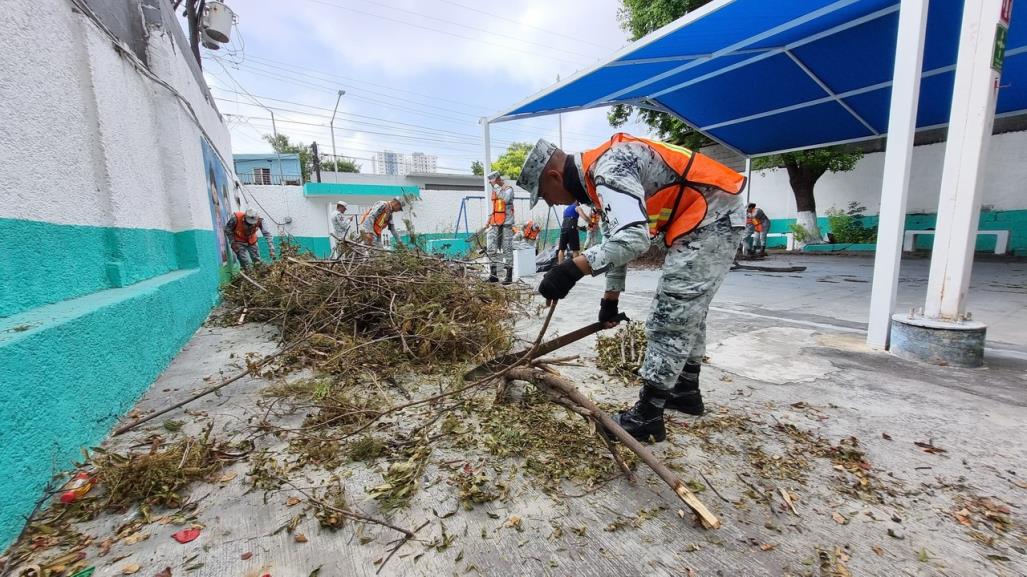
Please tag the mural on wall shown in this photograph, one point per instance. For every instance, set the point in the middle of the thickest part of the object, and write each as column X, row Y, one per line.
column 217, row 195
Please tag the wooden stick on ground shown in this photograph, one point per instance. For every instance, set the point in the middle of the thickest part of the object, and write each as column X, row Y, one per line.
column 567, row 389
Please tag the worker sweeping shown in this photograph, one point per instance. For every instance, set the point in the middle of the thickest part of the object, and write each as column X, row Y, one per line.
column 341, row 227
column 757, row 225
column 500, row 232
column 376, row 219
column 241, row 231
column 648, row 191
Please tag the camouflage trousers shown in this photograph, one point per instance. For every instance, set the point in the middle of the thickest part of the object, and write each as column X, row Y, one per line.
column 500, row 244
column 693, row 270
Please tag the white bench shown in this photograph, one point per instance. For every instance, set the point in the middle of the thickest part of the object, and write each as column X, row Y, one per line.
column 1001, row 239
column 789, row 239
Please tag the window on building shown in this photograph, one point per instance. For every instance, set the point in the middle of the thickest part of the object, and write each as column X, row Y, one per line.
column 261, row 176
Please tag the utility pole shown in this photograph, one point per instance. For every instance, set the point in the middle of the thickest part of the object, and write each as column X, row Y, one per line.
column 331, row 126
column 317, row 160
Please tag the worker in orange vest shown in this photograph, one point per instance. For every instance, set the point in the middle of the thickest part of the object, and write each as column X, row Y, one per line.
column 648, row 191
column 757, row 225
column 241, row 231
column 500, row 232
column 528, row 233
column 592, row 234
column 376, row 219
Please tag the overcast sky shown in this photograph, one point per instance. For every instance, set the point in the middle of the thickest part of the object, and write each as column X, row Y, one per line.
column 417, row 74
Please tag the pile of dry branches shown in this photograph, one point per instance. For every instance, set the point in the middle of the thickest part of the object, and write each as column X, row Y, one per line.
column 376, row 311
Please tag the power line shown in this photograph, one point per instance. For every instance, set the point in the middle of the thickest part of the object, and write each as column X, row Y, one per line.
column 581, row 136
column 475, row 28
column 519, row 23
column 429, row 28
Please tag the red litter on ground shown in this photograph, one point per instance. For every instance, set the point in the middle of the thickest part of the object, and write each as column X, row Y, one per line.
column 186, row 535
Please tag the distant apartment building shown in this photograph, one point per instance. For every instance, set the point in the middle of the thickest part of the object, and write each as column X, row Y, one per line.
column 398, row 164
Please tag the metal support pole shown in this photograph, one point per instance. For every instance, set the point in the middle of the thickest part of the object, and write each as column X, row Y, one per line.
column 974, row 94
column 559, row 123
column 748, row 179
column 331, row 127
column 905, row 96
column 487, row 162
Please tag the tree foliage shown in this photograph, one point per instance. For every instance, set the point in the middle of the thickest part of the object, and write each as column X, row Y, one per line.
column 282, row 145
column 477, row 169
column 340, row 165
column 807, row 166
column 509, row 163
column 638, row 18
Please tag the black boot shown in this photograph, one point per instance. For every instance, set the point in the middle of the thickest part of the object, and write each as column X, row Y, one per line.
column 685, row 396
column 492, row 273
column 645, row 419
column 509, row 275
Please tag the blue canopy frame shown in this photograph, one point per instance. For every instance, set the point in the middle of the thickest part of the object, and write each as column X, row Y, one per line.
column 771, row 76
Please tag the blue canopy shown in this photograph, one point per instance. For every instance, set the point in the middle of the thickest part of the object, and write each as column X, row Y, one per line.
column 764, row 76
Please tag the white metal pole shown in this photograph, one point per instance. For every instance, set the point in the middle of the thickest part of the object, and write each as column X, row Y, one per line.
column 975, row 91
column 905, row 97
column 278, row 155
column 559, row 123
column 486, row 163
column 331, row 126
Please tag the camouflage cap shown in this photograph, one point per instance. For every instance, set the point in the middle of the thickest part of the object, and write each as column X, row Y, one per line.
column 494, row 175
column 531, row 171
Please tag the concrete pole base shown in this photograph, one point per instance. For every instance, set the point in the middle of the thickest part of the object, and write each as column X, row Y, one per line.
column 938, row 342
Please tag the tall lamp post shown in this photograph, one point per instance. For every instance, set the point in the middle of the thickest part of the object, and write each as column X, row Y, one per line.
column 331, row 125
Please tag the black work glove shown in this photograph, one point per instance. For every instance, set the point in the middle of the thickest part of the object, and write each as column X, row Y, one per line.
column 559, row 280
column 608, row 311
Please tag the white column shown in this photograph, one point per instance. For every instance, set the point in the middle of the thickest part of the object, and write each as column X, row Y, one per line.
column 974, row 95
column 905, row 96
column 486, row 141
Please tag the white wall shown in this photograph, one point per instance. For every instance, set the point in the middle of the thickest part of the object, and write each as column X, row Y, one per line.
column 88, row 139
column 1005, row 183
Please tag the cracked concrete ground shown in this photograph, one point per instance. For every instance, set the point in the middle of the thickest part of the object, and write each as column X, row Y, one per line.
column 785, row 354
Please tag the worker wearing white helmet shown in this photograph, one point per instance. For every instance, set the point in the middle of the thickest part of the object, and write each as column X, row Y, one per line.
column 241, row 231
column 341, row 227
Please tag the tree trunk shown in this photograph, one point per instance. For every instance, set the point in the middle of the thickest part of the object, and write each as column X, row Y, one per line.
column 802, row 180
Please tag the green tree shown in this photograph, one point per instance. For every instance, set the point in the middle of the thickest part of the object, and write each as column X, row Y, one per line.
column 477, row 169
column 340, row 165
column 282, row 145
column 509, row 163
column 640, row 17
column 804, row 169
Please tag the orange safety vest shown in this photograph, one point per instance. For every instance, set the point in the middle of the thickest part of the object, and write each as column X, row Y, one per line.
column 498, row 216
column 531, row 230
column 678, row 208
column 241, row 233
column 593, row 219
column 379, row 223
column 750, row 219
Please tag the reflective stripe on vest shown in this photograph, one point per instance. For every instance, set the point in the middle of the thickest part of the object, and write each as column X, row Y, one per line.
column 240, row 233
column 498, row 216
column 676, row 209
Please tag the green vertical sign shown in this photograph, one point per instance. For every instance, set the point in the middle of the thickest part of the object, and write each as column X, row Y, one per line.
column 1000, row 48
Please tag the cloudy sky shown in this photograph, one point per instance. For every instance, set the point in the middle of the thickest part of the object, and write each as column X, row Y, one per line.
column 418, row 74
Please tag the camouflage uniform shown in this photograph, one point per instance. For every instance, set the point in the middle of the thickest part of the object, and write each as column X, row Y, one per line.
column 695, row 265
column 500, row 238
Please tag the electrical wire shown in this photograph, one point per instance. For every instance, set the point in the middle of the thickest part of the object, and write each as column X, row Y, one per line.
column 445, row 32
column 526, row 25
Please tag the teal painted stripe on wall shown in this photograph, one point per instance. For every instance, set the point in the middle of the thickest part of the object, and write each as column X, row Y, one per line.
column 71, row 368
column 1015, row 221
column 45, row 263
